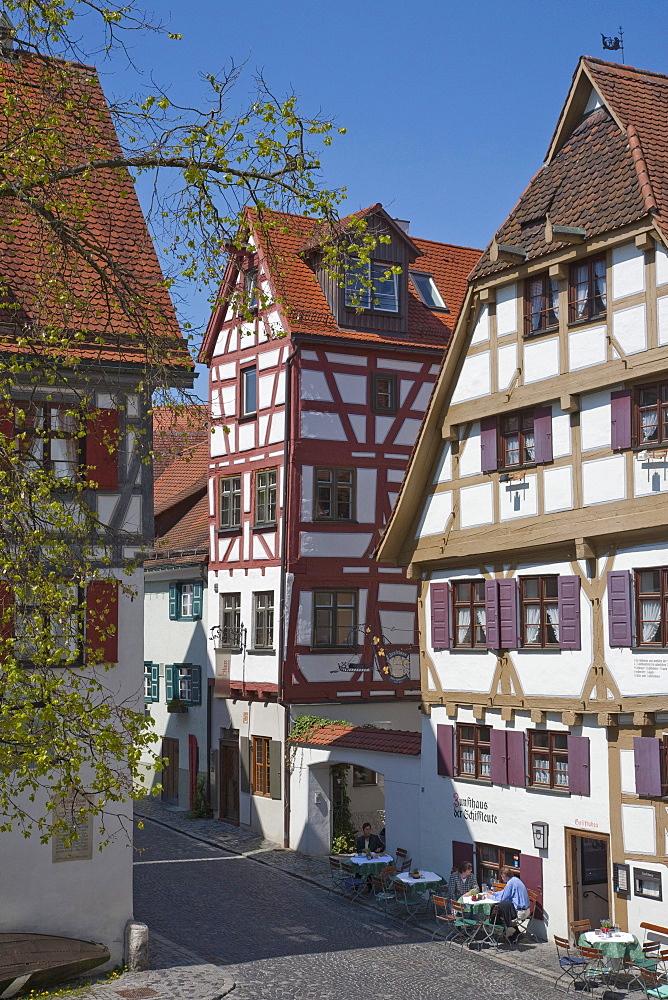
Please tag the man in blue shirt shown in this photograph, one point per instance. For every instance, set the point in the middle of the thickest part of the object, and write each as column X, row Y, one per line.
column 515, row 891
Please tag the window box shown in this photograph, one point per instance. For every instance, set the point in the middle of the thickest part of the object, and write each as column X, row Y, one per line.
column 177, row 707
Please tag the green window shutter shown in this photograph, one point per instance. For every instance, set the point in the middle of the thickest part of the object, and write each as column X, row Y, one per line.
column 155, row 682
column 198, row 588
column 169, row 682
column 174, row 594
column 195, row 685
column 244, row 764
column 275, row 768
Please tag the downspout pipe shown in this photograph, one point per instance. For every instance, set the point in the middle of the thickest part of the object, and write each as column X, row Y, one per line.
column 287, row 465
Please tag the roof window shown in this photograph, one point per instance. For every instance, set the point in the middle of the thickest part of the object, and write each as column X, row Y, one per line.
column 426, row 288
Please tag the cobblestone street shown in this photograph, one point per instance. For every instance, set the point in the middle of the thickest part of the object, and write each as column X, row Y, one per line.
column 279, row 937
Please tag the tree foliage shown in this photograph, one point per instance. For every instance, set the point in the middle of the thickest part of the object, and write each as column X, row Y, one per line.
column 84, row 308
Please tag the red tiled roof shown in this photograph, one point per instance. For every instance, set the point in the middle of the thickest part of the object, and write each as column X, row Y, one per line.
column 610, row 171
column 177, row 431
column 190, row 532
column 305, row 307
column 366, row 738
column 185, row 476
column 70, row 288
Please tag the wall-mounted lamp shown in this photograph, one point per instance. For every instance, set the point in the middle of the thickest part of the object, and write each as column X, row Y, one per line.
column 540, row 834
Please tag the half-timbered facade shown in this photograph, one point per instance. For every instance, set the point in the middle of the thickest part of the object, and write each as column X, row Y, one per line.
column 79, row 411
column 534, row 517
column 316, row 405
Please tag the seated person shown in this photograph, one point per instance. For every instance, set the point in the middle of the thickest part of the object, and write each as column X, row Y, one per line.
column 369, row 841
column 515, row 891
column 461, row 881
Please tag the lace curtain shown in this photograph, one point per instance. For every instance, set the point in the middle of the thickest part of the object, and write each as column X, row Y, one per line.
column 463, row 626
column 649, row 422
column 532, row 624
column 651, row 617
column 553, row 619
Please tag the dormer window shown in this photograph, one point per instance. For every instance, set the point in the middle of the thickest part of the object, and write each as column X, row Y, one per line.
column 541, row 304
column 426, row 288
column 384, row 294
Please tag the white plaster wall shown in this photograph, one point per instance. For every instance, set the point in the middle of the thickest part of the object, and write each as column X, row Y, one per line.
column 476, row 505
column 470, row 460
column 628, row 270
column 481, row 329
column 423, row 396
column 307, row 493
column 506, row 309
column 558, row 489
column 246, row 433
column 541, row 360
column 650, row 476
column 474, row 378
column 268, row 359
column 640, row 672
column 603, row 480
column 507, row 362
column 443, row 472
column 642, row 909
column 408, row 432
column 661, row 265
column 628, row 327
column 313, row 385
column 518, row 499
column 339, row 545
column 325, row 426
column 561, row 432
column 587, row 347
column 254, row 667
column 662, row 319
column 510, row 811
column 352, row 388
column 366, row 496
column 437, row 510
column 89, row 899
column 595, row 420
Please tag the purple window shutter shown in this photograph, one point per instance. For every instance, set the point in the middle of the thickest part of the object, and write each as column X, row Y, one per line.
column 620, row 419
column 508, row 617
column 498, row 757
column 445, row 751
column 569, row 612
column 441, row 632
column 542, row 429
column 620, row 622
column 517, row 772
column 461, row 852
column 492, row 633
column 578, row 765
column 488, row 444
column 647, row 760
column 531, row 873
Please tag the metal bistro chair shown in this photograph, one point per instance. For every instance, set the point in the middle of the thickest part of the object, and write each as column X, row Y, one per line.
column 406, row 865
column 353, row 883
column 632, row 968
column 446, row 921
column 524, row 924
column 579, row 927
column 597, row 971
column 653, row 985
column 337, row 874
column 573, row 967
column 382, row 894
column 411, row 902
column 466, row 927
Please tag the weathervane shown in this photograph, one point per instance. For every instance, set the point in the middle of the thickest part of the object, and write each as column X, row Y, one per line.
column 614, row 43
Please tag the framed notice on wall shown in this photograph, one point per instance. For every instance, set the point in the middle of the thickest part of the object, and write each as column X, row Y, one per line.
column 81, row 847
column 647, row 883
column 621, row 878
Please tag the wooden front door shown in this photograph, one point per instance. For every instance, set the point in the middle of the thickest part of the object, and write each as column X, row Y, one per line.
column 588, row 877
column 170, row 772
column 228, row 757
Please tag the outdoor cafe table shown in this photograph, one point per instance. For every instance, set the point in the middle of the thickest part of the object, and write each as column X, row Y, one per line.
column 480, row 907
column 370, row 866
column 616, row 946
column 426, row 881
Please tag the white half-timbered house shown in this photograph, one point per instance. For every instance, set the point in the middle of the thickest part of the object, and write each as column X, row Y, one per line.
column 534, row 520
column 315, row 406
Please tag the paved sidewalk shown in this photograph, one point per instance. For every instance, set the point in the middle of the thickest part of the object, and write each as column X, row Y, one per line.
column 176, row 983
column 534, row 957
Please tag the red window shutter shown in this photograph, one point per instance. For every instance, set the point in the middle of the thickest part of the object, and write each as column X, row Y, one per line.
column 102, row 619
column 517, row 769
column 498, row 757
column 647, row 760
column 508, row 616
column 441, row 631
column 488, row 444
column 6, row 611
column 621, row 419
column 569, row 612
column 531, row 873
column 620, row 622
column 578, row 765
column 445, row 751
column 461, row 851
column 542, row 429
column 492, row 632
column 102, row 449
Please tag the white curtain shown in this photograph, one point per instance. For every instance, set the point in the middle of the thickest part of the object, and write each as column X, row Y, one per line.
column 651, row 614
column 529, row 446
column 649, row 424
column 553, row 619
column 532, row 622
column 463, row 626
column 553, row 295
column 481, row 619
column 541, row 771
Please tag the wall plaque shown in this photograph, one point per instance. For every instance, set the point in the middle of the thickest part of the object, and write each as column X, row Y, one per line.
column 81, row 848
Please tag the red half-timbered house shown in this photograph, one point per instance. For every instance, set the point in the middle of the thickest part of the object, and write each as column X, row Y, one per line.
column 315, row 407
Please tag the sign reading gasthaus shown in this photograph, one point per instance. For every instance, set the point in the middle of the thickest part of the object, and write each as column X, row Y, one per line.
column 472, row 809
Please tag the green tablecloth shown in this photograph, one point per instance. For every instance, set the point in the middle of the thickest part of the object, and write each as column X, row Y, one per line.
column 420, row 886
column 611, row 947
column 367, row 867
column 477, row 908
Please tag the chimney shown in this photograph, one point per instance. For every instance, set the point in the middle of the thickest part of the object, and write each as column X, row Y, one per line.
column 403, row 224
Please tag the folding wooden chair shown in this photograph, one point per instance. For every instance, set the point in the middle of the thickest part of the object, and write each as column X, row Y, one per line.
column 579, row 927
column 466, row 927
column 337, row 875
column 353, row 883
column 400, row 856
column 654, row 985
column 382, row 894
column 445, row 920
column 573, row 967
column 524, row 923
column 410, row 901
column 406, row 865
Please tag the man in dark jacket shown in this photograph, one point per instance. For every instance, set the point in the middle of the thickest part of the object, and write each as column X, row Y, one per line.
column 369, row 841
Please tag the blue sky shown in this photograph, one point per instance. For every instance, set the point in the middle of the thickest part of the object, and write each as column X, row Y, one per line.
column 449, row 106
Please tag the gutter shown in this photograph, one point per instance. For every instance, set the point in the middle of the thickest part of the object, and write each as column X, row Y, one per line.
column 281, row 628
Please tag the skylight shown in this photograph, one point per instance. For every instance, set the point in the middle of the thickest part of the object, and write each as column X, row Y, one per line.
column 427, row 290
